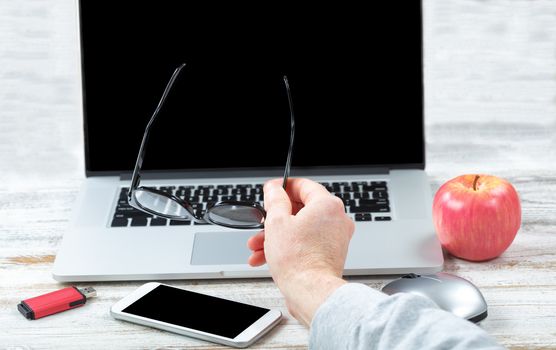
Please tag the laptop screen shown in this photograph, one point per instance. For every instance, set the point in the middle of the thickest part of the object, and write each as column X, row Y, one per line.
column 355, row 72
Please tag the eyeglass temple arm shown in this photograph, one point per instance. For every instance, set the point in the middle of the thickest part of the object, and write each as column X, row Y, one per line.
column 292, row 134
column 135, row 178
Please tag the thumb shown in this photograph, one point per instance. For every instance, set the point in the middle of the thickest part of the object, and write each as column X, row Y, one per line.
column 276, row 200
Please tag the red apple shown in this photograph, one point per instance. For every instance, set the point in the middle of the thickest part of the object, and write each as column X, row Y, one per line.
column 476, row 216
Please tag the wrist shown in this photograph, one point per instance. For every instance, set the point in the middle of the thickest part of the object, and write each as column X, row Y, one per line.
column 307, row 290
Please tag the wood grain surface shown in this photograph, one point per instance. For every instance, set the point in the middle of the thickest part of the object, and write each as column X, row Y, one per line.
column 490, row 70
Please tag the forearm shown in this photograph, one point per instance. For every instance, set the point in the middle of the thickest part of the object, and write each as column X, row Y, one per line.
column 358, row 317
column 306, row 291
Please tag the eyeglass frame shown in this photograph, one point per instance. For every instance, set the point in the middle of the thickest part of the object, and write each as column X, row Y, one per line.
column 136, row 177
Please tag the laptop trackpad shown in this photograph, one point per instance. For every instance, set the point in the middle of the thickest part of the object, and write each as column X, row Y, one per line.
column 221, row 248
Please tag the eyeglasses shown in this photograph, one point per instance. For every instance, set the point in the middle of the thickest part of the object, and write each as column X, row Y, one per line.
column 229, row 213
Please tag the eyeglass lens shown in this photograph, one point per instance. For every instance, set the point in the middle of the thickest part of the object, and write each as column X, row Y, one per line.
column 235, row 215
column 158, row 203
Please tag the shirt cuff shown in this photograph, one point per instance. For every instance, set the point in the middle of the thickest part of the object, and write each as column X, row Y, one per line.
column 343, row 309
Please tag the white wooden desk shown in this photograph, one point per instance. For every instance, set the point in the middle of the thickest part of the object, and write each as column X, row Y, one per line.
column 490, row 107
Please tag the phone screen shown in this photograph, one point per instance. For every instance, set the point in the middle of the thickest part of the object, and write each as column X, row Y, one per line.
column 197, row 311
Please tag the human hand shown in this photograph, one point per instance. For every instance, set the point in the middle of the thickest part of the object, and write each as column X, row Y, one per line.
column 304, row 242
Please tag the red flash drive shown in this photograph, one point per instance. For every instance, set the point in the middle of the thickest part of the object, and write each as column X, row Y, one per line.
column 54, row 302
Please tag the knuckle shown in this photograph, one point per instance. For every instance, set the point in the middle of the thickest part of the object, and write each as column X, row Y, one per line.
column 336, row 204
column 274, row 220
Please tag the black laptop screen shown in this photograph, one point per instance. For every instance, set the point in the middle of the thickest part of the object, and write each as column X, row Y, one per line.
column 355, row 71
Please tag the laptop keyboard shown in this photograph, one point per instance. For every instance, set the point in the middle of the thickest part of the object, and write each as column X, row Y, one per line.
column 364, row 201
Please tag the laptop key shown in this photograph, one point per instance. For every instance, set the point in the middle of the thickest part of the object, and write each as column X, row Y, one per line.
column 383, row 218
column 197, row 206
column 184, row 193
column 179, row 223
column 139, row 221
column 121, row 207
column 158, row 222
column 374, row 188
column 370, row 209
column 130, row 212
column 124, row 191
column 343, row 195
column 361, row 195
column 382, row 208
column 119, row 222
column 220, row 191
column 380, row 194
column 203, row 192
column 373, row 201
column 363, row 217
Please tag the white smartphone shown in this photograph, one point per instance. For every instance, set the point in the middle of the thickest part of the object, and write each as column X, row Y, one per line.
column 196, row 315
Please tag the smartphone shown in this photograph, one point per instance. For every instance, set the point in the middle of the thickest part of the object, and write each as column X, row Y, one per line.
column 196, row 315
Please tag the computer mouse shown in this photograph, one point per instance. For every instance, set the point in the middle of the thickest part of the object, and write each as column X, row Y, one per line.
column 451, row 293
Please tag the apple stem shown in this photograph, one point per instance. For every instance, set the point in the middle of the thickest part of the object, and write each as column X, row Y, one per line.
column 475, row 182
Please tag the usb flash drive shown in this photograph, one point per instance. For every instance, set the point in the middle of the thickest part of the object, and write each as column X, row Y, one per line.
column 54, row 302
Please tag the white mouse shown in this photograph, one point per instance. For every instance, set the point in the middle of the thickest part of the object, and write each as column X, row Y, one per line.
column 451, row 293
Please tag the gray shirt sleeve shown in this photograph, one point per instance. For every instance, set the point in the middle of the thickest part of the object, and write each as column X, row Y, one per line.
column 356, row 316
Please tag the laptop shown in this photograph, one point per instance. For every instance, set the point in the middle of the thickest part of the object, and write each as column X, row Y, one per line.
column 356, row 77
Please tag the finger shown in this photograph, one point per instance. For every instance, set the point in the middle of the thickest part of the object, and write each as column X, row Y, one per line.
column 273, row 183
column 276, row 200
column 303, row 191
column 257, row 258
column 256, row 242
column 300, row 191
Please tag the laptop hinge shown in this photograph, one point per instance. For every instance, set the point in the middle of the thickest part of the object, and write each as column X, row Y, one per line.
column 296, row 172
